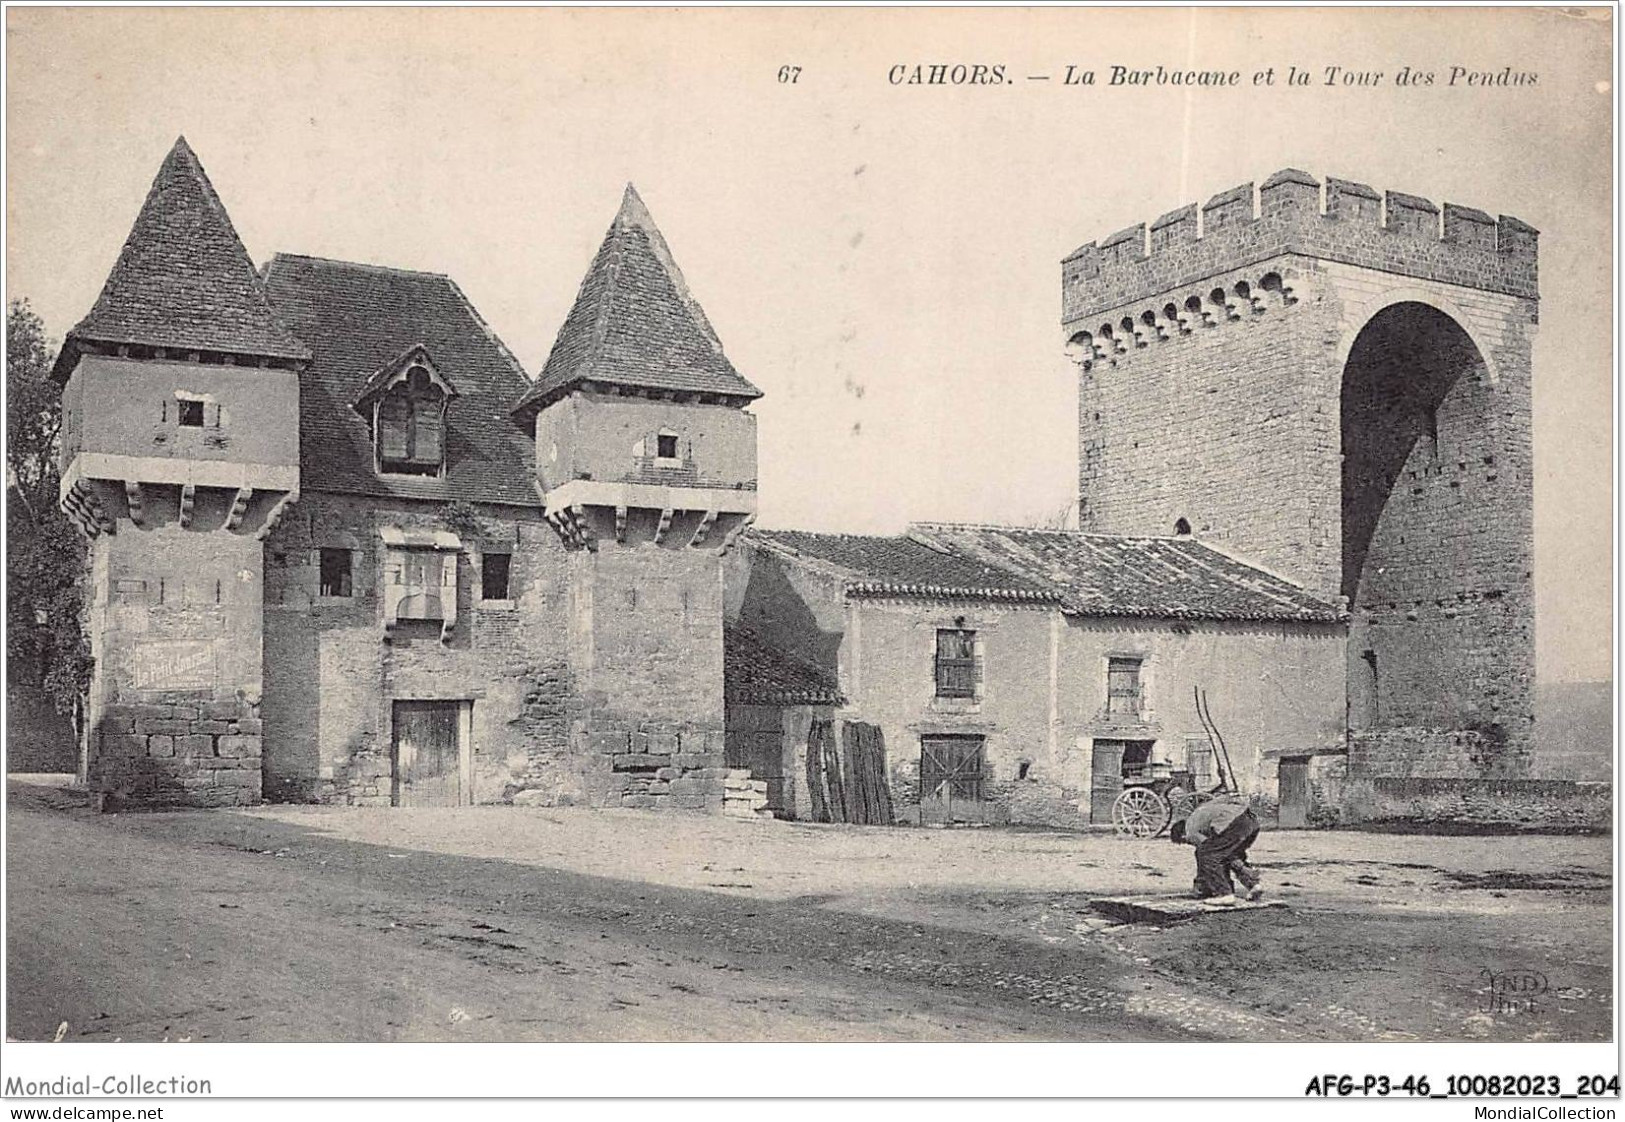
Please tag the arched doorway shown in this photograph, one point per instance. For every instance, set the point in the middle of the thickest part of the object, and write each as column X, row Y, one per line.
column 1424, row 560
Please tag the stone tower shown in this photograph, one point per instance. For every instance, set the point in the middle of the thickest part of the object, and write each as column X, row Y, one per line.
column 1335, row 382
column 646, row 464
column 180, row 447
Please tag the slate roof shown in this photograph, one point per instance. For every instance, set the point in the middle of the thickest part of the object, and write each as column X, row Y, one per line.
column 358, row 318
column 635, row 323
column 183, row 279
column 903, row 567
column 756, row 672
column 1109, row 575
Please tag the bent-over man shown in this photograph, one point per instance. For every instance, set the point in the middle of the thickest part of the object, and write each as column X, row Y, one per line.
column 1222, row 830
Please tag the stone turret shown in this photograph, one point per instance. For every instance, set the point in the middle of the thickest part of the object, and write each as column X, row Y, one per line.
column 180, row 448
column 646, row 463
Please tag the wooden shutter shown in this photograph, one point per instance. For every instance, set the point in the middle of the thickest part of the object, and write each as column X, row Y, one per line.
column 1123, row 686
column 394, row 414
column 957, row 671
column 428, row 419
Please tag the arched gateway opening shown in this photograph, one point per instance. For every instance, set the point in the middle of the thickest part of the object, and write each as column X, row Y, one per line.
column 1420, row 569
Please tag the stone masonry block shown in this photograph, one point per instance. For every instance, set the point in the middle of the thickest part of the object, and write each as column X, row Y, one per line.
column 238, row 746
column 610, row 743
column 664, row 743
column 194, row 745
column 160, row 746
column 123, row 744
column 166, row 727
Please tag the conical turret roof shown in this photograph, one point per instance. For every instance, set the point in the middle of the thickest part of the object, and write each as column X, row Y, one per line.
column 183, row 279
column 635, row 323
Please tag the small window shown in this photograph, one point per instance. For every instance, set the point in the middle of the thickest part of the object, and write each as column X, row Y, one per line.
column 1182, row 528
column 956, row 663
column 335, row 572
column 666, row 446
column 1123, row 687
column 494, row 576
column 189, row 413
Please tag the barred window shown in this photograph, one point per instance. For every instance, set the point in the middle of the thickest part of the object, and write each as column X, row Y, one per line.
column 1123, row 695
column 956, row 663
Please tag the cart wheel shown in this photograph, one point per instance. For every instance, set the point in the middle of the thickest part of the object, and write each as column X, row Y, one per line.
column 1139, row 812
column 1181, row 802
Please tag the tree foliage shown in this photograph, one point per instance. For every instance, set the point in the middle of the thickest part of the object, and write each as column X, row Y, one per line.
column 45, row 554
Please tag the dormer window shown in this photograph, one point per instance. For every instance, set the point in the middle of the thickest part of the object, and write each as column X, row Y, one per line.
column 411, row 426
column 406, row 403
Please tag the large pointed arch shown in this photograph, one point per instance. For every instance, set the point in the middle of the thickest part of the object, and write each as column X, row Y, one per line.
column 1413, row 408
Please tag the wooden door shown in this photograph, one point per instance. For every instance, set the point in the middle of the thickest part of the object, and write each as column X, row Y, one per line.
column 1294, row 777
column 428, row 762
column 951, row 779
column 1105, row 779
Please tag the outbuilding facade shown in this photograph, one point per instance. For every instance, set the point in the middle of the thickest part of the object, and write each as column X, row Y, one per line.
column 1019, row 675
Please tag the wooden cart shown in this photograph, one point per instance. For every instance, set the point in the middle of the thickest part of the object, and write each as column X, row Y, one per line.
column 1152, row 798
column 1154, row 794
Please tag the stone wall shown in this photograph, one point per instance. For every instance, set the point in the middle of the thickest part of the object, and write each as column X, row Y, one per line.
column 650, row 621
column 1273, row 691
column 332, row 675
column 1532, row 804
column 646, row 638
column 174, row 706
column 613, row 437
column 637, row 761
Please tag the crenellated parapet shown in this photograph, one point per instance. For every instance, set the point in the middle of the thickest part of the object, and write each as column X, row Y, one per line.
column 1292, row 212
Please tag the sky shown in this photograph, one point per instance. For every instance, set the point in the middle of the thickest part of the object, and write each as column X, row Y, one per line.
column 882, row 260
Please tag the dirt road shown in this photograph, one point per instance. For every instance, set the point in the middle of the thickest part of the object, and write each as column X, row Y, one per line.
column 506, row 924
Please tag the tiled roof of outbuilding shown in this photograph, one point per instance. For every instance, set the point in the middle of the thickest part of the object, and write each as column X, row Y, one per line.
column 635, row 323
column 1109, row 575
column 755, row 672
column 898, row 566
column 183, row 280
column 358, row 318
